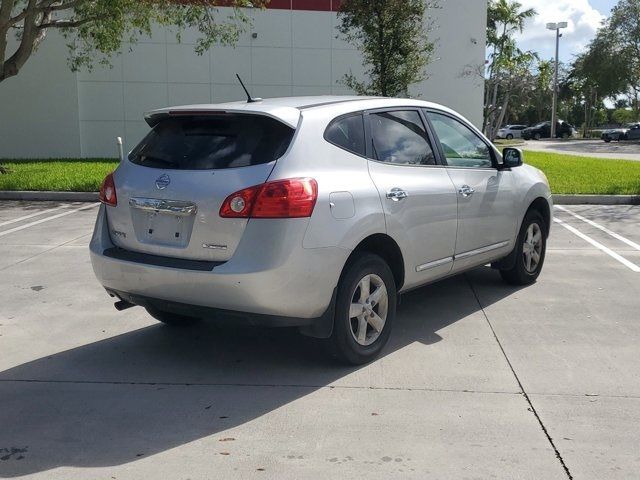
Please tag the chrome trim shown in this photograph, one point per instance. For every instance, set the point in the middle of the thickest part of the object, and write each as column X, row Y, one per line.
column 478, row 251
column 434, row 264
column 175, row 207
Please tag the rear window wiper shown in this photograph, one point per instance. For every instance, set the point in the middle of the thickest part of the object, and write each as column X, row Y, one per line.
column 149, row 158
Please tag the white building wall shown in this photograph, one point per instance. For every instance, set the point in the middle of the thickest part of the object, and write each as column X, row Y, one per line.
column 46, row 111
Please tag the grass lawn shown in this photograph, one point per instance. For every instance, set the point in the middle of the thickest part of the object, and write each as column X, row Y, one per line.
column 65, row 175
column 583, row 175
column 566, row 173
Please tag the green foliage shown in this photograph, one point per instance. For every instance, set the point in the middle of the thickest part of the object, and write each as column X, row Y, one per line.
column 96, row 29
column 394, row 44
column 624, row 115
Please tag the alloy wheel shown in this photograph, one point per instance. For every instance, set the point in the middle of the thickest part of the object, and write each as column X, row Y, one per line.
column 368, row 309
column 532, row 248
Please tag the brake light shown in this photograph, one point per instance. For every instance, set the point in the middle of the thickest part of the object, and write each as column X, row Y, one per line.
column 108, row 191
column 290, row 198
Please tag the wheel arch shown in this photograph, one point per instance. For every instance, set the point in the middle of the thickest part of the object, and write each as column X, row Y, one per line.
column 385, row 247
column 541, row 205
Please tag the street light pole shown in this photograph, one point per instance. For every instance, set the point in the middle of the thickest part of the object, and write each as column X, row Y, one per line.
column 554, row 102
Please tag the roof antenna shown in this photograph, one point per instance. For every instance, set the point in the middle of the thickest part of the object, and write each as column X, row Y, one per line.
column 250, row 99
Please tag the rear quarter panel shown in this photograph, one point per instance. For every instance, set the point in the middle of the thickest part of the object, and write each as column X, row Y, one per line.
column 348, row 208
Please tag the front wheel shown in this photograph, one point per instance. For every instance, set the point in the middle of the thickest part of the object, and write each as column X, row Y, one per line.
column 365, row 310
column 509, row 136
column 530, row 251
column 537, row 136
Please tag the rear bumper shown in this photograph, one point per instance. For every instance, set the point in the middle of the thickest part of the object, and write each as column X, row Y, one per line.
column 270, row 275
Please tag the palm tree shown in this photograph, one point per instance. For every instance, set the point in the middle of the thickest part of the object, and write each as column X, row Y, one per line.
column 504, row 19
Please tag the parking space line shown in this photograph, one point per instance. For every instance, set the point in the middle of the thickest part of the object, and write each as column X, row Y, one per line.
column 600, row 227
column 42, row 220
column 26, row 217
column 598, row 245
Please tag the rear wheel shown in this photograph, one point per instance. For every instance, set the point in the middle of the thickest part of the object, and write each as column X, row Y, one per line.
column 365, row 310
column 173, row 319
column 530, row 251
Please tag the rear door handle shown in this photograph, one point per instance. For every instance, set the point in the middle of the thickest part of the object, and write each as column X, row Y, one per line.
column 396, row 194
column 466, row 191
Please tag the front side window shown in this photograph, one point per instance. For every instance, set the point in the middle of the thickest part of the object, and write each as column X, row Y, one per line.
column 211, row 142
column 399, row 137
column 461, row 146
column 347, row 133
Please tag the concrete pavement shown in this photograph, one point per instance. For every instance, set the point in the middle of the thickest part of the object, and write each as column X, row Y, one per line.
column 480, row 380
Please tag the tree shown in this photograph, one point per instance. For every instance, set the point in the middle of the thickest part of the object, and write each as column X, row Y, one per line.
column 507, row 63
column 623, row 31
column 393, row 38
column 100, row 26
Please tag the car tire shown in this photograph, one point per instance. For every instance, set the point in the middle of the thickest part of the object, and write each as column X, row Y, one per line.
column 509, row 136
column 607, row 140
column 531, row 244
column 173, row 319
column 565, row 135
column 537, row 136
column 354, row 339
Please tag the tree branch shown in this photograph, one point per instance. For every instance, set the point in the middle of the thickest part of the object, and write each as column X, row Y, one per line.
column 68, row 23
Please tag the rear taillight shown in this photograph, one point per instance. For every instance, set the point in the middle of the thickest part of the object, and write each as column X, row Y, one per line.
column 108, row 191
column 291, row 198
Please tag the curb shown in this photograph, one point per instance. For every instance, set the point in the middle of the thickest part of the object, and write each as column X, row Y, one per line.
column 93, row 197
column 596, row 199
column 50, row 196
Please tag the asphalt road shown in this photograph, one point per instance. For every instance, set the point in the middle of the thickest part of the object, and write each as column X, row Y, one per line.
column 480, row 380
column 624, row 150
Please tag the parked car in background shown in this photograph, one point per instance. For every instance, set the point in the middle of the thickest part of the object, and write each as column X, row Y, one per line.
column 543, row 130
column 313, row 212
column 511, row 131
column 630, row 131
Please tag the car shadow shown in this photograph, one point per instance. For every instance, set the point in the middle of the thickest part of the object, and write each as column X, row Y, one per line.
column 150, row 390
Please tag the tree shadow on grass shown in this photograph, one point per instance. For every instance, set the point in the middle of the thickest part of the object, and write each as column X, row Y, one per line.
column 153, row 389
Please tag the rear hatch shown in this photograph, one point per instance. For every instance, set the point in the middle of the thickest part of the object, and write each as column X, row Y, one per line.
column 170, row 189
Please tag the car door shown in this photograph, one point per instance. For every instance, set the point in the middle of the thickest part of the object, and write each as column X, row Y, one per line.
column 634, row 133
column 417, row 195
column 487, row 218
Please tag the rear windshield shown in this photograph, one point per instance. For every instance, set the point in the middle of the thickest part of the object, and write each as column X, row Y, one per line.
column 213, row 142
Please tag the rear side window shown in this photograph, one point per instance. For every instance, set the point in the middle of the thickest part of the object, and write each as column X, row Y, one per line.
column 399, row 137
column 213, row 142
column 347, row 133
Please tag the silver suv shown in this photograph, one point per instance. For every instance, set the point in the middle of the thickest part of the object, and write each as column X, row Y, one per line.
column 313, row 212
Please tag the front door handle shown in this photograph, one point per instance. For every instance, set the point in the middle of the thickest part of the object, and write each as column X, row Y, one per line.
column 466, row 191
column 396, row 194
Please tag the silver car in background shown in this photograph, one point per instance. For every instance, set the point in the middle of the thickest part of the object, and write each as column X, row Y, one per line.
column 313, row 212
column 510, row 132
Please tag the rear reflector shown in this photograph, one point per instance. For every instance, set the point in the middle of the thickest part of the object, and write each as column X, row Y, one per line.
column 108, row 191
column 290, row 198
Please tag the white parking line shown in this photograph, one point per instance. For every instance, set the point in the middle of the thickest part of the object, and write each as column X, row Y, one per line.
column 598, row 245
column 600, row 227
column 42, row 220
column 20, row 219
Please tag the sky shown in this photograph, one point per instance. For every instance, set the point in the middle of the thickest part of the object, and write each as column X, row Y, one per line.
column 583, row 16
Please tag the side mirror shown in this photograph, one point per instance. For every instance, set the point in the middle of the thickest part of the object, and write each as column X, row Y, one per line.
column 511, row 157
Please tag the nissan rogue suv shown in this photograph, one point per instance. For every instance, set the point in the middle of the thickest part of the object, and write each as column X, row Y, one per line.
column 313, row 212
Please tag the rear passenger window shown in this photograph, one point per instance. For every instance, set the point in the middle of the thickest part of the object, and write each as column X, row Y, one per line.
column 399, row 137
column 347, row 133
